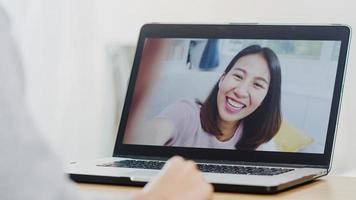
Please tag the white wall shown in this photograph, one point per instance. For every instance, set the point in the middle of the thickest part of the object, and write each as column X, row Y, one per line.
column 71, row 88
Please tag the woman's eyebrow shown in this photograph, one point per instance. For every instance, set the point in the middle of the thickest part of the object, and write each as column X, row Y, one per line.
column 257, row 78
column 240, row 69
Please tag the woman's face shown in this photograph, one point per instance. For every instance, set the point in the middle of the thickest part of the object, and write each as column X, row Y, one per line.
column 243, row 88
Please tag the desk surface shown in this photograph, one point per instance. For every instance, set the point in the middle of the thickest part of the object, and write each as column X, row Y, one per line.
column 330, row 187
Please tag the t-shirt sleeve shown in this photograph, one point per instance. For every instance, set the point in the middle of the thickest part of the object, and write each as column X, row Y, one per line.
column 181, row 115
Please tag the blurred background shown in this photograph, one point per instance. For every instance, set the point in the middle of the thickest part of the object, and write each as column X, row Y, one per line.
column 78, row 54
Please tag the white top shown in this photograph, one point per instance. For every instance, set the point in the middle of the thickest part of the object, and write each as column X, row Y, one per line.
column 188, row 132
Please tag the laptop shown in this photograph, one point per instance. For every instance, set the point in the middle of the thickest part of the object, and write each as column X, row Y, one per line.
column 256, row 106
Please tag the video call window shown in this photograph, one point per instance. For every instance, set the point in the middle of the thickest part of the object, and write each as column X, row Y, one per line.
column 263, row 95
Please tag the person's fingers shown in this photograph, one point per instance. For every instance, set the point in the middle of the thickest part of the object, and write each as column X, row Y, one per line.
column 208, row 189
column 205, row 192
column 175, row 160
column 190, row 165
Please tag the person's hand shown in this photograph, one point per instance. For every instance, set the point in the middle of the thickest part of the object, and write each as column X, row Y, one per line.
column 178, row 180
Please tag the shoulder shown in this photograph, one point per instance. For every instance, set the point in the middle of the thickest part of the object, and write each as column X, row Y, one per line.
column 184, row 105
column 181, row 112
column 189, row 103
column 183, row 119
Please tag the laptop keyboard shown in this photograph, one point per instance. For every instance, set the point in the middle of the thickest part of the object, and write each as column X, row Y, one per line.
column 208, row 168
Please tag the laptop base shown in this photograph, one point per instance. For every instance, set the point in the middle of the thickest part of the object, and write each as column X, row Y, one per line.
column 125, row 181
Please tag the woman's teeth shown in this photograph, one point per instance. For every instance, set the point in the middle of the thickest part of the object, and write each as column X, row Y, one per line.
column 235, row 104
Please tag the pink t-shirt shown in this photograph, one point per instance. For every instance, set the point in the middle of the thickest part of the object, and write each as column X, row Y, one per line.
column 188, row 132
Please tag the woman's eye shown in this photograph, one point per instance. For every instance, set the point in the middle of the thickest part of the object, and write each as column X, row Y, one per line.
column 260, row 86
column 238, row 76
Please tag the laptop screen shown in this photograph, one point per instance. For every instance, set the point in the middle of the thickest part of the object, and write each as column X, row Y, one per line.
column 237, row 94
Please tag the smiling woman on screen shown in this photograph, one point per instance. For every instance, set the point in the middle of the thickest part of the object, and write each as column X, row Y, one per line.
column 242, row 111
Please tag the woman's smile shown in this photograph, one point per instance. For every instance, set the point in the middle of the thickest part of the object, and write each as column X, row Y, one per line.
column 232, row 106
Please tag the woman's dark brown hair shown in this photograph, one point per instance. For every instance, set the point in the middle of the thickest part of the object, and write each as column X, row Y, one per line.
column 261, row 125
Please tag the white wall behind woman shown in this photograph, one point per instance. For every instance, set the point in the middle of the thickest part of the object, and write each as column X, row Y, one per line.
column 70, row 86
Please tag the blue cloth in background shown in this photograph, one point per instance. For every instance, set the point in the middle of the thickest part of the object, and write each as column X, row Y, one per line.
column 210, row 57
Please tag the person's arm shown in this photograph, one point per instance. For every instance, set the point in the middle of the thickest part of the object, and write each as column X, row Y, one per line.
column 164, row 127
column 152, row 132
column 29, row 169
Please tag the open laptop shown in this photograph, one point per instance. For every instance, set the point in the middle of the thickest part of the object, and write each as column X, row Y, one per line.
column 256, row 106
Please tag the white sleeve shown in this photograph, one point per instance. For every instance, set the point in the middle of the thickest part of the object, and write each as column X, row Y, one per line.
column 29, row 169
